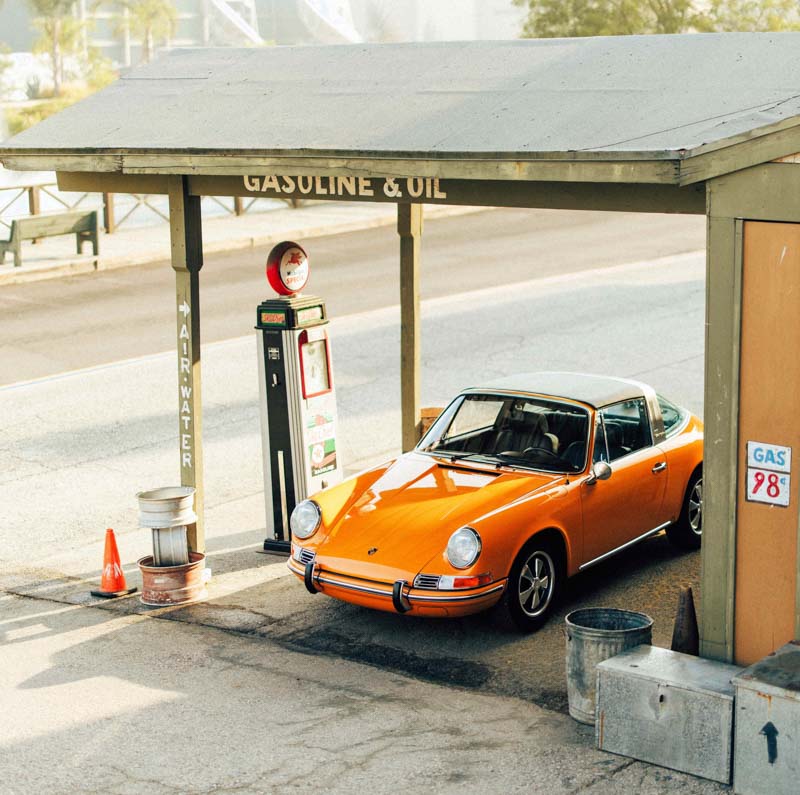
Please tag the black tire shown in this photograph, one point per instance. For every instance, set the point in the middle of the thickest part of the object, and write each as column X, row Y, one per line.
column 524, row 613
column 687, row 532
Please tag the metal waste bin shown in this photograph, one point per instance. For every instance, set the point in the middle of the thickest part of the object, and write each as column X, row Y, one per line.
column 594, row 634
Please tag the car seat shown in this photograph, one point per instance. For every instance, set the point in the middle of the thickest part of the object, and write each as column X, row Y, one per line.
column 615, row 438
column 575, row 454
column 525, row 429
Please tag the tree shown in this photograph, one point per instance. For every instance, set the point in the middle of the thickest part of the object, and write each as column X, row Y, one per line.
column 766, row 15
column 674, row 16
column 59, row 35
column 149, row 20
column 547, row 18
column 566, row 18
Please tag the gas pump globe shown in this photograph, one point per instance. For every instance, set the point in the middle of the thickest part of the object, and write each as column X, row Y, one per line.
column 297, row 398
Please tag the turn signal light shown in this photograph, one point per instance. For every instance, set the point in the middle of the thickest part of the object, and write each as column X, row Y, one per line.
column 448, row 583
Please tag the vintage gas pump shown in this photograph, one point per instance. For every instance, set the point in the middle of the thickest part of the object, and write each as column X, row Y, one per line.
column 298, row 403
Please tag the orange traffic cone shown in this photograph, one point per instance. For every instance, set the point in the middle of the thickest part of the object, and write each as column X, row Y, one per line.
column 112, row 583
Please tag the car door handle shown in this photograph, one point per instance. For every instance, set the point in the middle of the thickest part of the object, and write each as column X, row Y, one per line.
column 660, row 467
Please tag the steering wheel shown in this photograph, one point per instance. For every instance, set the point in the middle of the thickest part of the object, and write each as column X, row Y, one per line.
column 544, row 450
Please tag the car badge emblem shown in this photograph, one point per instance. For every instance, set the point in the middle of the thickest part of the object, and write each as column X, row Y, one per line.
column 372, row 551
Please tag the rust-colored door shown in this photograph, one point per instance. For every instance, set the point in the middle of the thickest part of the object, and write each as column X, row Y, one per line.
column 769, row 412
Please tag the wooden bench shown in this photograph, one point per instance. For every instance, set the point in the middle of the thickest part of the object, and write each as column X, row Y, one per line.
column 82, row 224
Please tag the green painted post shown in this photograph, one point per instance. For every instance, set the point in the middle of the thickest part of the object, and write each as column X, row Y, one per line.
column 409, row 226
column 721, row 463
column 187, row 260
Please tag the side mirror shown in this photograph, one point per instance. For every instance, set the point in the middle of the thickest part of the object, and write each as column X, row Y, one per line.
column 600, row 471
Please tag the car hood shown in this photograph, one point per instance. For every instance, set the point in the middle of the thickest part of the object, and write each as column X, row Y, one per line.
column 409, row 512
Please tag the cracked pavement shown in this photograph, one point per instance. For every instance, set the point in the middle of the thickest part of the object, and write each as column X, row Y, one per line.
column 95, row 700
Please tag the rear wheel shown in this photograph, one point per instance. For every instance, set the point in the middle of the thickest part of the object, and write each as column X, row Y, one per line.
column 687, row 532
column 534, row 585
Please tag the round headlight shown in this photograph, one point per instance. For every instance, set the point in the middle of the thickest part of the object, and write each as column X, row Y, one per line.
column 463, row 547
column 305, row 519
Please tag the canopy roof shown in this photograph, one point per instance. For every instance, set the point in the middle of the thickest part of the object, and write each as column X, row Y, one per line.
column 654, row 102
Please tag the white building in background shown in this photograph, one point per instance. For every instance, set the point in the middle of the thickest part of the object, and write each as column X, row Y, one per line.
column 437, row 20
column 255, row 22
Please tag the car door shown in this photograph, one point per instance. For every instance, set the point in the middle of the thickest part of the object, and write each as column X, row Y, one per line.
column 630, row 503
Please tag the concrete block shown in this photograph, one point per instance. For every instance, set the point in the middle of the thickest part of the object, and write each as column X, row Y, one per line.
column 668, row 709
column 767, row 746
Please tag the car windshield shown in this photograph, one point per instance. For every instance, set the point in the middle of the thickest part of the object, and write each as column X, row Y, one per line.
column 521, row 431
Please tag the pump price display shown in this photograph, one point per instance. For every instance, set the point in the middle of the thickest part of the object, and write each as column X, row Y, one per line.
column 769, row 473
column 314, row 361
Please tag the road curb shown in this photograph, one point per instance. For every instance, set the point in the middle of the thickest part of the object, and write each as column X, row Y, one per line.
column 91, row 264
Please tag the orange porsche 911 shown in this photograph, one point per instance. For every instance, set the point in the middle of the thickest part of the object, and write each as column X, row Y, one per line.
column 517, row 486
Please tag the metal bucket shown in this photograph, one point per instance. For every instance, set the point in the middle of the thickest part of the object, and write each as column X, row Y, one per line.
column 173, row 585
column 171, row 506
column 594, row 634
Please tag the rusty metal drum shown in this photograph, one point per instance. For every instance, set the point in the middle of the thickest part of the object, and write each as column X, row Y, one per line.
column 595, row 634
column 173, row 585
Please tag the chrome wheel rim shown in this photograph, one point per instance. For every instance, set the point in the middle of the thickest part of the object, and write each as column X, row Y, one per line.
column 536, row 582
column 696, row 508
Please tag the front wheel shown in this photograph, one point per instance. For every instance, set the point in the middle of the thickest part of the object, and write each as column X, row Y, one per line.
column 534, row 585
column 687, row 532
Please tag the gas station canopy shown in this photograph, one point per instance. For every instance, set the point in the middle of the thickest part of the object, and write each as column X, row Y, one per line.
column 706, row 124
column 647, row 109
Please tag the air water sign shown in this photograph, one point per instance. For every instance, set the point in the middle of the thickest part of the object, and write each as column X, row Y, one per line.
column 344, row 187
column 769, row 476
column 185, row 385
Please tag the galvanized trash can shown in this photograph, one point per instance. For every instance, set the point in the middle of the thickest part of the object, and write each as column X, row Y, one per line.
column 594, row 634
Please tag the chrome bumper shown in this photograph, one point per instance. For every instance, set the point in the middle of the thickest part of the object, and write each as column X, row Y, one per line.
column 396, row 595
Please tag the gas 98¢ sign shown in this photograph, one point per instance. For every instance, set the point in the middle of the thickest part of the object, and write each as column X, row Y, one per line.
column 769, row 478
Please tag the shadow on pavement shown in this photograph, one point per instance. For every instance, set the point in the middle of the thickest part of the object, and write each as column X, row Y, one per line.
column 252, row 594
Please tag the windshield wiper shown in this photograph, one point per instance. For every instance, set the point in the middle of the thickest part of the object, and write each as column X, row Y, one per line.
column 458, row 456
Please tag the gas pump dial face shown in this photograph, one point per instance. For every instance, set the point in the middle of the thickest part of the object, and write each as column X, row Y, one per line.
column 314, row 358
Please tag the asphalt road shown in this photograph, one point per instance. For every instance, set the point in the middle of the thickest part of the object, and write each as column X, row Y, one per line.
column 53, row 326
column 75, row 448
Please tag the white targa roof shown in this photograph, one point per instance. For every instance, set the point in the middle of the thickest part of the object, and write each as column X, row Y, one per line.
column 594, row 390
column 625, row 97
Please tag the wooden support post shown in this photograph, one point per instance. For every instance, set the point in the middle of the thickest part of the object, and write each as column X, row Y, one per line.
column 721, row 464
column 187, row 260
column 33, row 200
column 109, row 218
column 238, row 205
column 34, row 205
column 409, row 226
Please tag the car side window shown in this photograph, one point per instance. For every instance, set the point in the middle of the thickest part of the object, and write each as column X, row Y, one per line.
column 627, row 426
column 671, row 414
